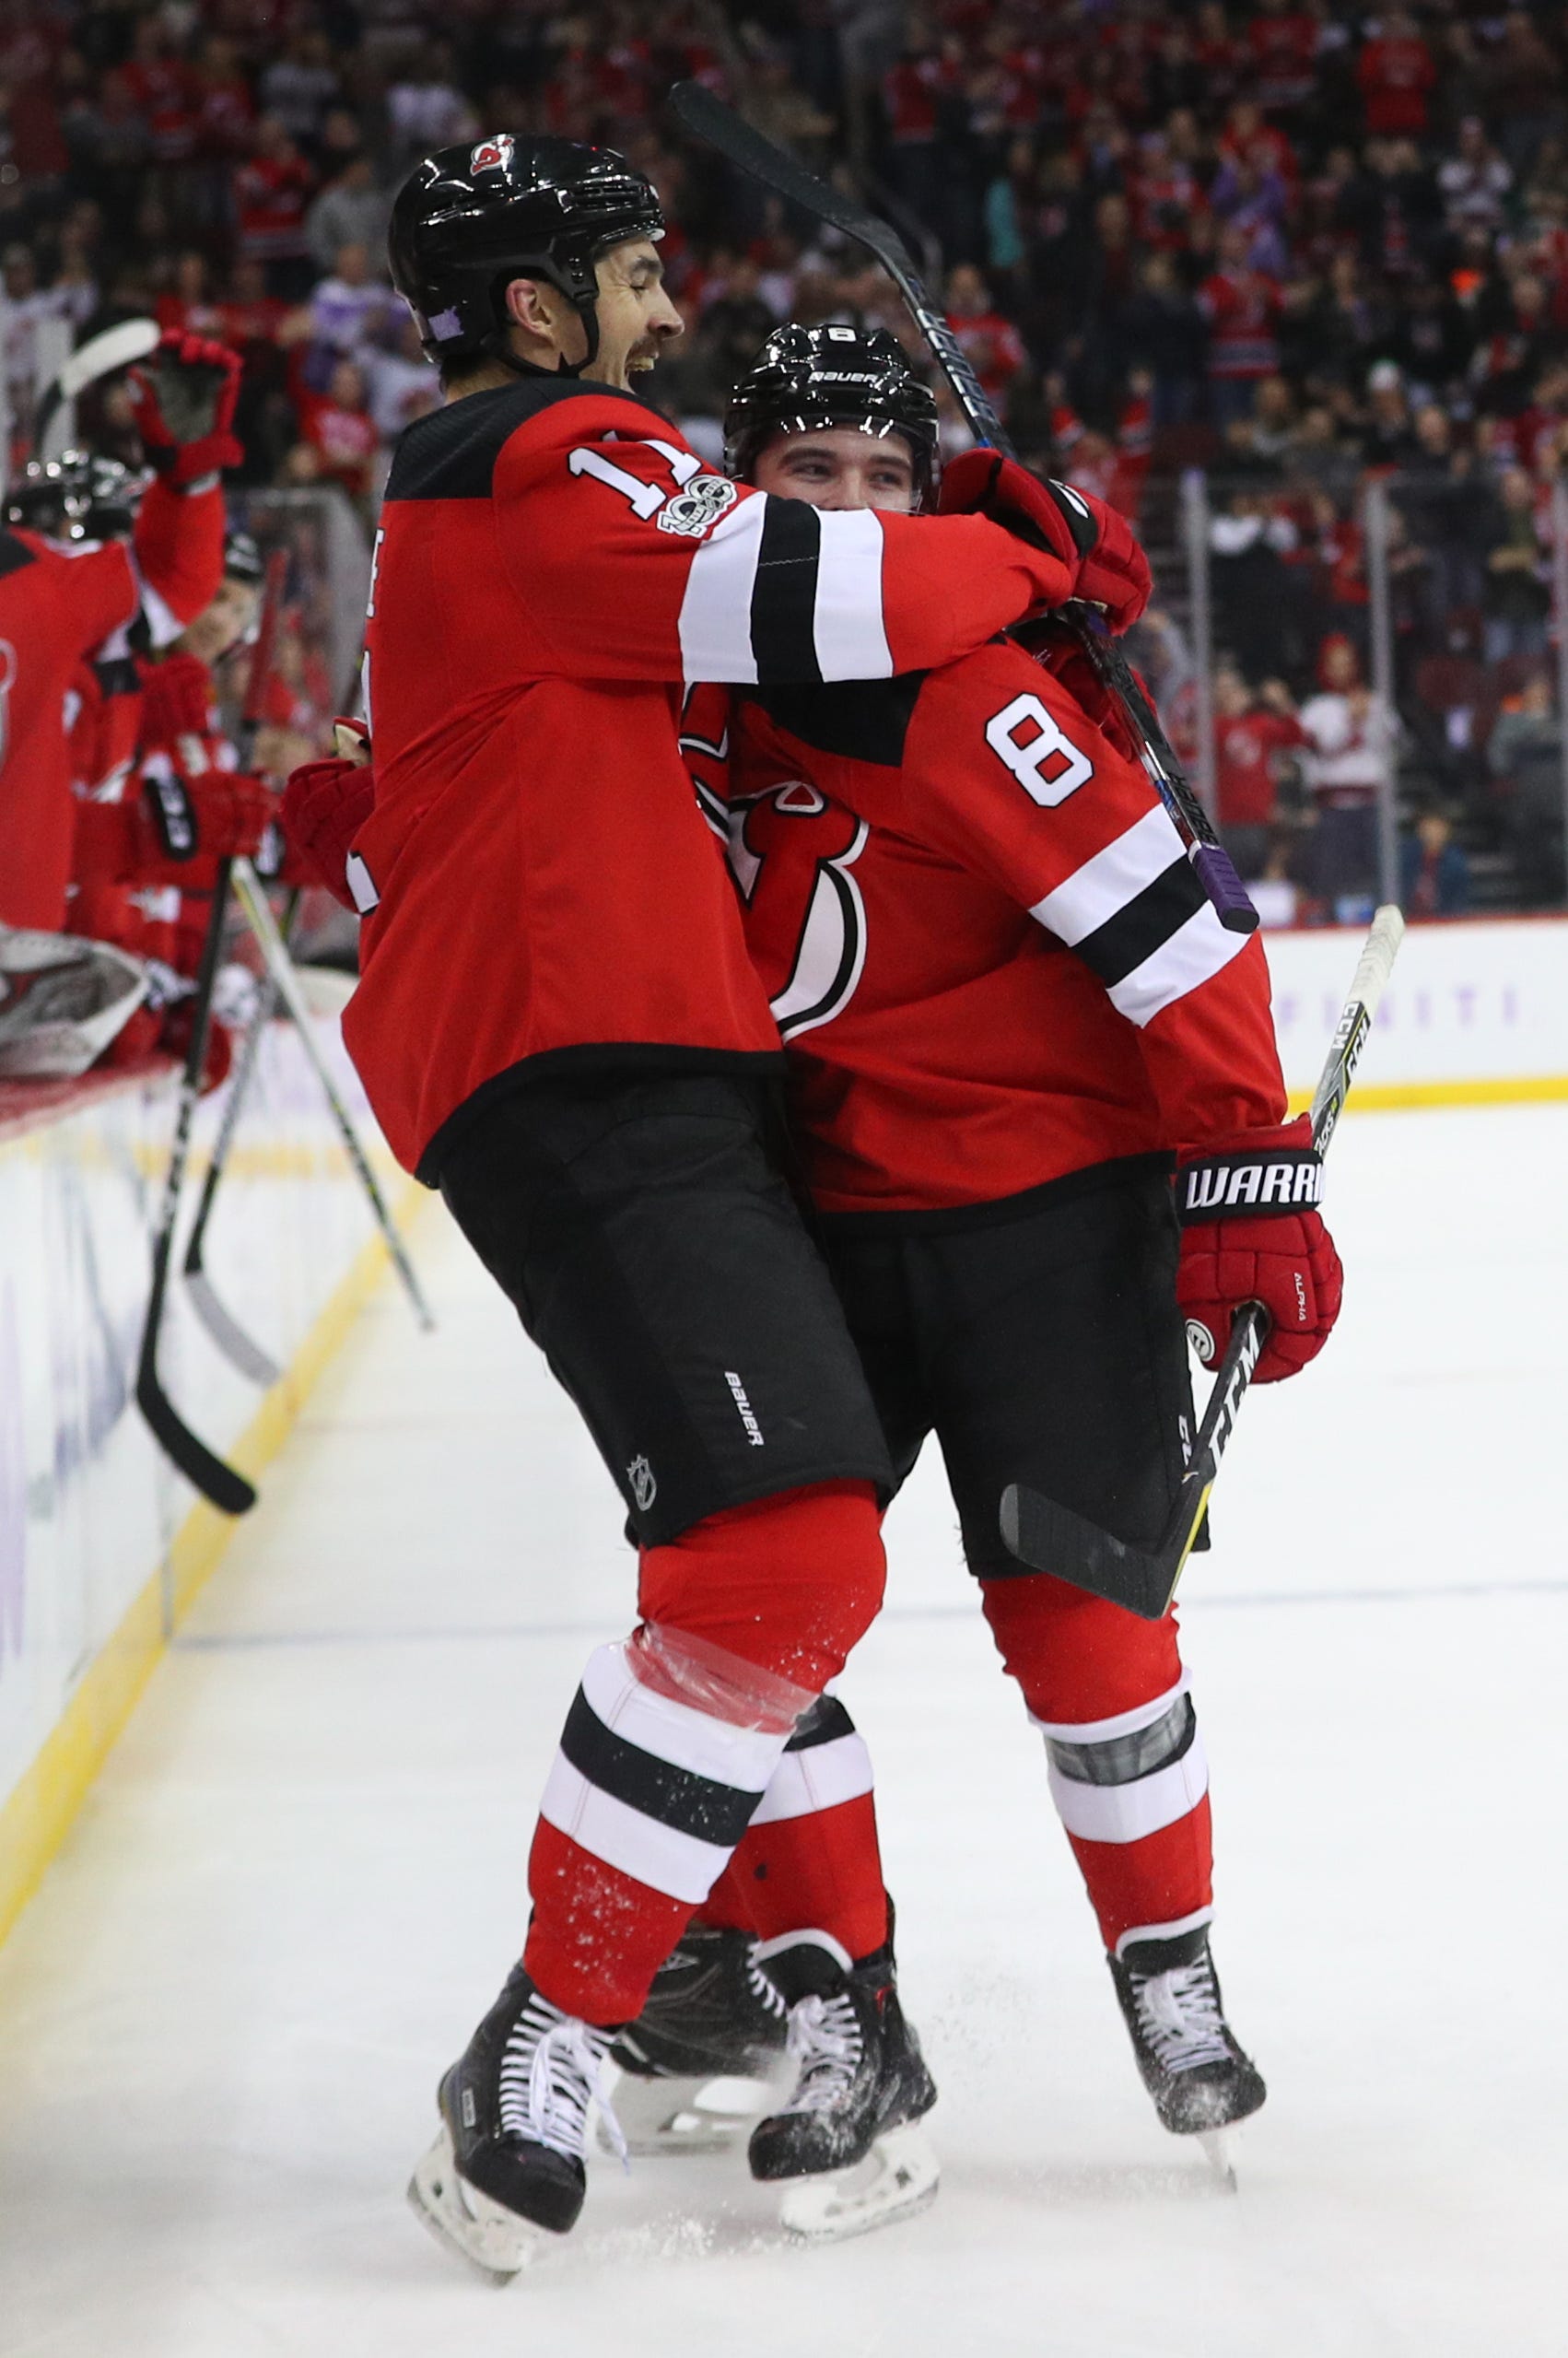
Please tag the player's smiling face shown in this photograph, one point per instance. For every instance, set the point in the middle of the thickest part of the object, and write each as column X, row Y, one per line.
column 839, row 466
column 636, row 315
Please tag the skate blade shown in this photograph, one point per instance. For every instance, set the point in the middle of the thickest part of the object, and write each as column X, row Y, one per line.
column 1219, row 2153
column 899, row 2176
column 685, row 2115
column 491, row 2239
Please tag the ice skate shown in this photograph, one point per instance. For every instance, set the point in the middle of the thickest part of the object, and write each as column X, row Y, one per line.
column 505, row 2176
column 849, row 2134
column 706, row 2057
column 1191, row 2064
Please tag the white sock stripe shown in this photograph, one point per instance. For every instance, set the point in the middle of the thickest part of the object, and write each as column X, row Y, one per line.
column 1122, row 1723
column 743, row 1757
column 805, row 1782
column 1170, row 1931
column 847, row 631
column 677, row 1864
column 716, row 612
column 1127, row 1812
column 1195, row 953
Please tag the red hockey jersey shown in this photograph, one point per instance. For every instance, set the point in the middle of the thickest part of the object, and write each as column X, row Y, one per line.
column 58, row 603
column 982, row 941
column 554, row 563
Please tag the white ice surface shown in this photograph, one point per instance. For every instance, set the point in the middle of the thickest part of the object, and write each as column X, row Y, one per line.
column 301, row 1879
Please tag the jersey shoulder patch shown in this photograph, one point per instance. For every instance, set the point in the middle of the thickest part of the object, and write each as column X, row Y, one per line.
column 858, row 720
column 451, row 453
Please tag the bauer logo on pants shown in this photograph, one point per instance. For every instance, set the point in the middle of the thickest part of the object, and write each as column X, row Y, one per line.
column 645, row 1489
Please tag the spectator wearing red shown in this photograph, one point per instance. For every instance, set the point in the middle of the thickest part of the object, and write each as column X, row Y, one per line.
column 1242, row 307
column 164, row 89
column 1252, row 735
column 990, row 344
column 1282, row 42
column 338, row 427
column 272, row 189
column 1396, row 73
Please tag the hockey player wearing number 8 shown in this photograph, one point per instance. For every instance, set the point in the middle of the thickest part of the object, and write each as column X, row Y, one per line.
column 1009, row 1010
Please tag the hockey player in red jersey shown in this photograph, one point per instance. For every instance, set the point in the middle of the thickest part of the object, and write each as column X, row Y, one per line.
column 68, row 598
column 1009, row 1010
column 558, row 1025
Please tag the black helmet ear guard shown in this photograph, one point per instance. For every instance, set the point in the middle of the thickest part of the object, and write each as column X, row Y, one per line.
column 77, row 495
column 805, row 378
column 468, row 220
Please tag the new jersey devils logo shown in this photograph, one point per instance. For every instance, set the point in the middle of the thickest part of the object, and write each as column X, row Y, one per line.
column 493, row 155
column 792, row 852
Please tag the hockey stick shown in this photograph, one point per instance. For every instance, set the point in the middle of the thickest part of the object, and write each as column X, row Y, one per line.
column 116, row 347
column 227, row 1487
column 225, row 1329
column 1049, row 1538
column 286, row 983
column 710, row 119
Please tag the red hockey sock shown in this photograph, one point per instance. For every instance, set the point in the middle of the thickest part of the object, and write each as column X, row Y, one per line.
column 819, row 1873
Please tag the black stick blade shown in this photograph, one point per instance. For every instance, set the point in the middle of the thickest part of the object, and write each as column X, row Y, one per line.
column 708, row 119
column 1049, row 1538
column 229, row 1490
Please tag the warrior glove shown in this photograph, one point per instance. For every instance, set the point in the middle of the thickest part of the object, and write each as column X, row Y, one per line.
column 1097, row 546
column 184, row 401
column 1251, row 1232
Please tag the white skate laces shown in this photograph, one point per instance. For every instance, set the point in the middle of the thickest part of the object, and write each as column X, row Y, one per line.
column 763, row 1988
column 1178, row 2013
column 552, row 2070
column 824, row 2039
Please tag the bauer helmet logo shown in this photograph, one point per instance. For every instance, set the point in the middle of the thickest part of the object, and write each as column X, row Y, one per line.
column 645, row 1489
column 493, row 155
column 698, row 507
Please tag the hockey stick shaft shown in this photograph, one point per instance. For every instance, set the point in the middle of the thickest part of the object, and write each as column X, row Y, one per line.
column 710, row 119
column 217, row 1481
column 1049, row 1538
column 285, row 983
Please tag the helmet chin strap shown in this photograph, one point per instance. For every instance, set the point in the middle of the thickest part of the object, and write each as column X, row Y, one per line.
column 587, row 312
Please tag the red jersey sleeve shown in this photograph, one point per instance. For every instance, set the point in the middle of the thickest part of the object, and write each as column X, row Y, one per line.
column 179, row 550
column 637, row 563
column 1002, row 773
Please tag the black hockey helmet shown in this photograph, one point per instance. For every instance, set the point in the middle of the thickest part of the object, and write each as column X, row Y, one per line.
column 242, row 560
column 468, row 220
column 810, row 377
column 77, row 495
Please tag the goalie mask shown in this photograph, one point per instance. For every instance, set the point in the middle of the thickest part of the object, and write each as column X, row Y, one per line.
column 807, row 378
column 469, row 219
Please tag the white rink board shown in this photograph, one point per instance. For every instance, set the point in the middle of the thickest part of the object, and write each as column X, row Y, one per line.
column 89, row 1504
column 1474, row 1001
column 301, row 1879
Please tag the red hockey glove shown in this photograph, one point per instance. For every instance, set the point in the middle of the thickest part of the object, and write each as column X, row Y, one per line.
column 184, row 401
column 1251, row 1232
column 1060, row 650
column 1097, row 546
column 325, row 804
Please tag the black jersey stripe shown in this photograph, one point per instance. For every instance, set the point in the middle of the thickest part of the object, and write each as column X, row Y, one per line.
column 1143, row 925
column 822, row 1724
column 677, row 1797
column 14, row 553
column 783, row 618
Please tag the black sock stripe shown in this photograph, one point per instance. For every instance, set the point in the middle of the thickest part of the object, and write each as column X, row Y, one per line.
column 1123, row 1760
column 784, row 593
column 822, row 1724
column 1143, row 925
column 677, row 1797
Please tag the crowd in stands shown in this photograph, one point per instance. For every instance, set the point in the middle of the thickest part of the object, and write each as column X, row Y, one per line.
column 1288, row 242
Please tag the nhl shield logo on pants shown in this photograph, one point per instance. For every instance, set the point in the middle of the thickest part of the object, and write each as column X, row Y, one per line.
column 645, row 1489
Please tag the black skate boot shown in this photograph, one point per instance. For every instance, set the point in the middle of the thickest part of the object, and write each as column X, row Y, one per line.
column 1190, row 2062
column 696, row 2063
column 862, row 2088
column 506, row 2171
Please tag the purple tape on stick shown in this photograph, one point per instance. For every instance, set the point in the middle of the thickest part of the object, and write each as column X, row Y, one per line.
column 1224, row 888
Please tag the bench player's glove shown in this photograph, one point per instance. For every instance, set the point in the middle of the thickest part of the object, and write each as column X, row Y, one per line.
column 325, row 804
column 184, row 400
column 1251, row 1232
column 1097, row 546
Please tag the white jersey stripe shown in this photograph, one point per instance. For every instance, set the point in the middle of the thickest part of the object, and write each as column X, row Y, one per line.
column 641, row 1846
column 716, row 612
column 818, row 1778
column 1127, row 1812
column 717, row 1749
column 1196, row 950
column 848, row 628
column 1102, row 887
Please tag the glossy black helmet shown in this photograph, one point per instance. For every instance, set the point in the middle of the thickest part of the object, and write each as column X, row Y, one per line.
column 809, row 377
column 77, row 495
column 467, row 220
